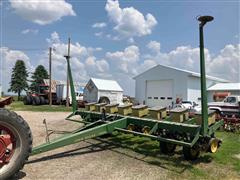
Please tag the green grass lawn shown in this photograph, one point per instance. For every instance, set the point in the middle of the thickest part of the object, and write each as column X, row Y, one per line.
column 19, row 106
column 226, row 159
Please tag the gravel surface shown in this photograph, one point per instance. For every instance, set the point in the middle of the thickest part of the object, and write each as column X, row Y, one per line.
column 90, row 159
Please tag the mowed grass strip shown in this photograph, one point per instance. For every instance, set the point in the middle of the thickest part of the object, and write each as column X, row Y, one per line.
column 19, row 106
column 226, row 158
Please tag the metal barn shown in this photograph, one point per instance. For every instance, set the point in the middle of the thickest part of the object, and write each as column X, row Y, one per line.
column 219, row 90
column 163, row 85
column 101, row 90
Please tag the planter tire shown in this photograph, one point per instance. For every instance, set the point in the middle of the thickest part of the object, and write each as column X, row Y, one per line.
column 167, row 148
column 191, row 153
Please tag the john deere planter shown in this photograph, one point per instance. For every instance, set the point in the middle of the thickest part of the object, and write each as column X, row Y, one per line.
column 195, row 135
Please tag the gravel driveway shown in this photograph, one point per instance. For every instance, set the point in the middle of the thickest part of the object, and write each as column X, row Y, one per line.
column 90, row 159
column 102, row 159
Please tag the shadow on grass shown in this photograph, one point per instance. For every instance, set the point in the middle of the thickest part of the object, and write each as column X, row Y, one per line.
column 138, row 148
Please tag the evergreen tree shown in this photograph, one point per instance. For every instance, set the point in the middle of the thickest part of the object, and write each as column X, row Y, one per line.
column 38, row 76
column 19, row 78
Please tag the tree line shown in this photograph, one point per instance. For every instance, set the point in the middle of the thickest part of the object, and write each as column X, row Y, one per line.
column 19, row 78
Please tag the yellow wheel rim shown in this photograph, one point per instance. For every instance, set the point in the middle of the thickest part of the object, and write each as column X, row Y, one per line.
column 214, row 145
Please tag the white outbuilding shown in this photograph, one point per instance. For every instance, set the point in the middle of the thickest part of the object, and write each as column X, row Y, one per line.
column 164, row 85
column 101, row 90
column 219, row 91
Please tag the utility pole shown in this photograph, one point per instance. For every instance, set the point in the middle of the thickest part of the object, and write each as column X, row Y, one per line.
column 68, row 57
column 50, row 76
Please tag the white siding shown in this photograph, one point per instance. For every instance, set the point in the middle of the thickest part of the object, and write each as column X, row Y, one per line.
column 186, row 85
column 159, row 93
column 179, row 80
column 113, row 96
column 92, row 94
column 194, row 89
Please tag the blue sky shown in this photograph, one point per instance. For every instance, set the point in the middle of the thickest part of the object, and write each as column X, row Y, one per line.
column 129, row 37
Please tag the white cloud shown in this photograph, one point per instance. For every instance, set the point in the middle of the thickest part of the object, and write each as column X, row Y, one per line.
column 126, row 60
column 8, row 60
column 154, row 46
column 98, row 34
column 42, row 12
column 129, row 22
column 94, row 65
column 27, row 31
column 227, row 63
column 184, row 57
column 99, row 25
column 131, row 40
column 83, row 62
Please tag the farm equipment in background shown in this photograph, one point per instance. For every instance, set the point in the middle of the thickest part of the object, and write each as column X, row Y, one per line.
column 229, row 111
column 195, row 135
column 61, row 92
column 39, row 96
column 5, row 101
column 229, row 107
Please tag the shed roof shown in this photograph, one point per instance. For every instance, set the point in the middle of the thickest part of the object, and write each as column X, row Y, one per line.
column 191, row 73
column 108, row 85
column 225, row 87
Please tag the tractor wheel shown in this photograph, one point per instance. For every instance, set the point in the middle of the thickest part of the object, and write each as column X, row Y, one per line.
column 191, row 153
column 167, row 148
column 36, row 100
column 104, row 100
column 42, row 100
column 15, row 143
column 27, row 100
column 46, row 101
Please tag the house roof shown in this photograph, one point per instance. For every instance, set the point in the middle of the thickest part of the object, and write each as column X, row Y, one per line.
column 191, row 73
column 225, row 87
column 108, row 85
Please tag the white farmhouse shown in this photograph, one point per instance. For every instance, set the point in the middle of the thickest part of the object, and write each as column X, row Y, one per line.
column 101, row 90
column 163, row 85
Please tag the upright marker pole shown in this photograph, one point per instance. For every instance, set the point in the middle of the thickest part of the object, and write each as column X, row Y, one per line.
column 50, row 76
column 68, row 56
column 203, row 20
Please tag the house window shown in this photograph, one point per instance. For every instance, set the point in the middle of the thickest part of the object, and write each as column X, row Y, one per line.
column 169, row 98
column 155, row 97
column 162, row 98
column 149, row 97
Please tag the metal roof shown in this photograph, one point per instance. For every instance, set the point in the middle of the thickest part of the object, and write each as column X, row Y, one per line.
column 225, row 87
column 108, row 85
column 191, row 73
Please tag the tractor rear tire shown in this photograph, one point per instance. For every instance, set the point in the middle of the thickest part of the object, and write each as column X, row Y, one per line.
column 42, row 100
column 36, row 100
column 191, row 153
column 167, row 148
column 14, row 126
column 27, row 100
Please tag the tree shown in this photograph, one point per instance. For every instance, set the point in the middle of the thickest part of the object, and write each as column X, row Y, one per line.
column 19, row 78
column 38, row 76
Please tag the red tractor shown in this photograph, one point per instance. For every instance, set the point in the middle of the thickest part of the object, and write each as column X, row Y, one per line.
column 40, row 96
